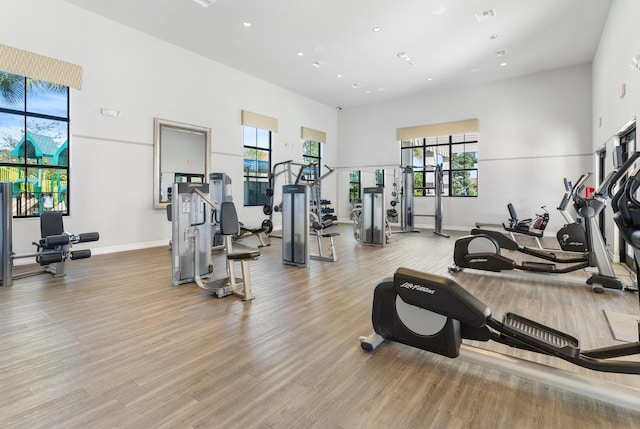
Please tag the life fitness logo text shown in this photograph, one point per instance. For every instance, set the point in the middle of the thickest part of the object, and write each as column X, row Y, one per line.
column 419, row 288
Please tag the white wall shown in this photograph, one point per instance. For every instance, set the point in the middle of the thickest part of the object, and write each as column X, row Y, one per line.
column 534, row 131
column 620, row 42
column 111, row 186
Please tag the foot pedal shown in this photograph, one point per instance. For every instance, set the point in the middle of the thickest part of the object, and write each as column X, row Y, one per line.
column 539, row 266
column 541, row 336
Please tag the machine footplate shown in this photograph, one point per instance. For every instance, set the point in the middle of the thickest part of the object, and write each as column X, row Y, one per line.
column 539, row 266
column 540, row 335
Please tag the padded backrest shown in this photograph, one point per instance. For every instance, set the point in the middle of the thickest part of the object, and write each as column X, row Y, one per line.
column 228, row 219
column 512, row 212
column 51, row 224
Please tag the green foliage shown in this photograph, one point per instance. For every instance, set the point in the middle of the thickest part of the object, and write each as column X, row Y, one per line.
column 12, row 87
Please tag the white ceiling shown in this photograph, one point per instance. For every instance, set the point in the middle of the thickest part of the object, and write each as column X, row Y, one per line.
column 447, row 50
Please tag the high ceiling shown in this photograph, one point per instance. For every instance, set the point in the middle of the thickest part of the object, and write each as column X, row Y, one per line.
column 329, row 50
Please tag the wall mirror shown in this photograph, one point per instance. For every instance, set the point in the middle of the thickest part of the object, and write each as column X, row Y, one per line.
column 181, row 153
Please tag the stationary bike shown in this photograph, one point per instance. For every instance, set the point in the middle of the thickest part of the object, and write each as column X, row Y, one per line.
column 482, row 251
column 571, row 237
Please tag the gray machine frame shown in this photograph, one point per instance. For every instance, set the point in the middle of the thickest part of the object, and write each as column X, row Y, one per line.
column 295, row 225
column 407, row 213
column 6, row 233
column 191, row 231
column 373, row 223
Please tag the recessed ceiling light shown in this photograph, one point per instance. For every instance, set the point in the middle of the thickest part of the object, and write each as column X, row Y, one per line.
column 205, row 3
column 246, row 24
column 499, row 53
column 339, row 76
column 300, row 54
column 355, row 85
column 429, row 79
column 367, row 92
column 493, row 37
column 318, row 64
column 376, row 29
column 503, row 64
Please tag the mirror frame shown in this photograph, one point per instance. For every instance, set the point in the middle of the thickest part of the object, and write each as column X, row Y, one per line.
column 158, row 124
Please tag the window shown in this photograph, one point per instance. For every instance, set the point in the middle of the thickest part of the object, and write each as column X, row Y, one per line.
column 257, row 165
column 34, row 143
column 354, row 186
column 311, row 156
column 458, row 155
column 380, row 178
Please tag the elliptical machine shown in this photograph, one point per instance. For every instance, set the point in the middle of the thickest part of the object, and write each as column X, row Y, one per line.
column 482, row 251
column 435, row 314
column 572, row 236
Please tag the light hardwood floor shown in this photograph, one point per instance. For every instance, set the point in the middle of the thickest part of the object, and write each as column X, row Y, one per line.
column 114, row 345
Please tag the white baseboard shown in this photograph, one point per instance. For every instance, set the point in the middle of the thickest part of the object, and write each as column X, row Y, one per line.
column 128, row 246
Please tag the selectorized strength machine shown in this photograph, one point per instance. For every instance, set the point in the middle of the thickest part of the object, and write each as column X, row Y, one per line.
column 407, row 212
column 220, row 191
column 370, row 222
column 481, row 250
column 192, row 241
column 52, row 249
column 298, row 221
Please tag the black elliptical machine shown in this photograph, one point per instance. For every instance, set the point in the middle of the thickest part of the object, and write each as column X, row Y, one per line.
column 572, row 236
column 435, row 314
column 481, row 251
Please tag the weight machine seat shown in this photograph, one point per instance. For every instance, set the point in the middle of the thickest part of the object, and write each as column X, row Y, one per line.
column 229, row 225
column 242, row 255
column 330, row 234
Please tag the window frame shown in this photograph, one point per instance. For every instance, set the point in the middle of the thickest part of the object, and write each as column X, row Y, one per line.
column 260, row 198
column 442, row 149
column 35, row 201
column 317, row 160
column 355, row 185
